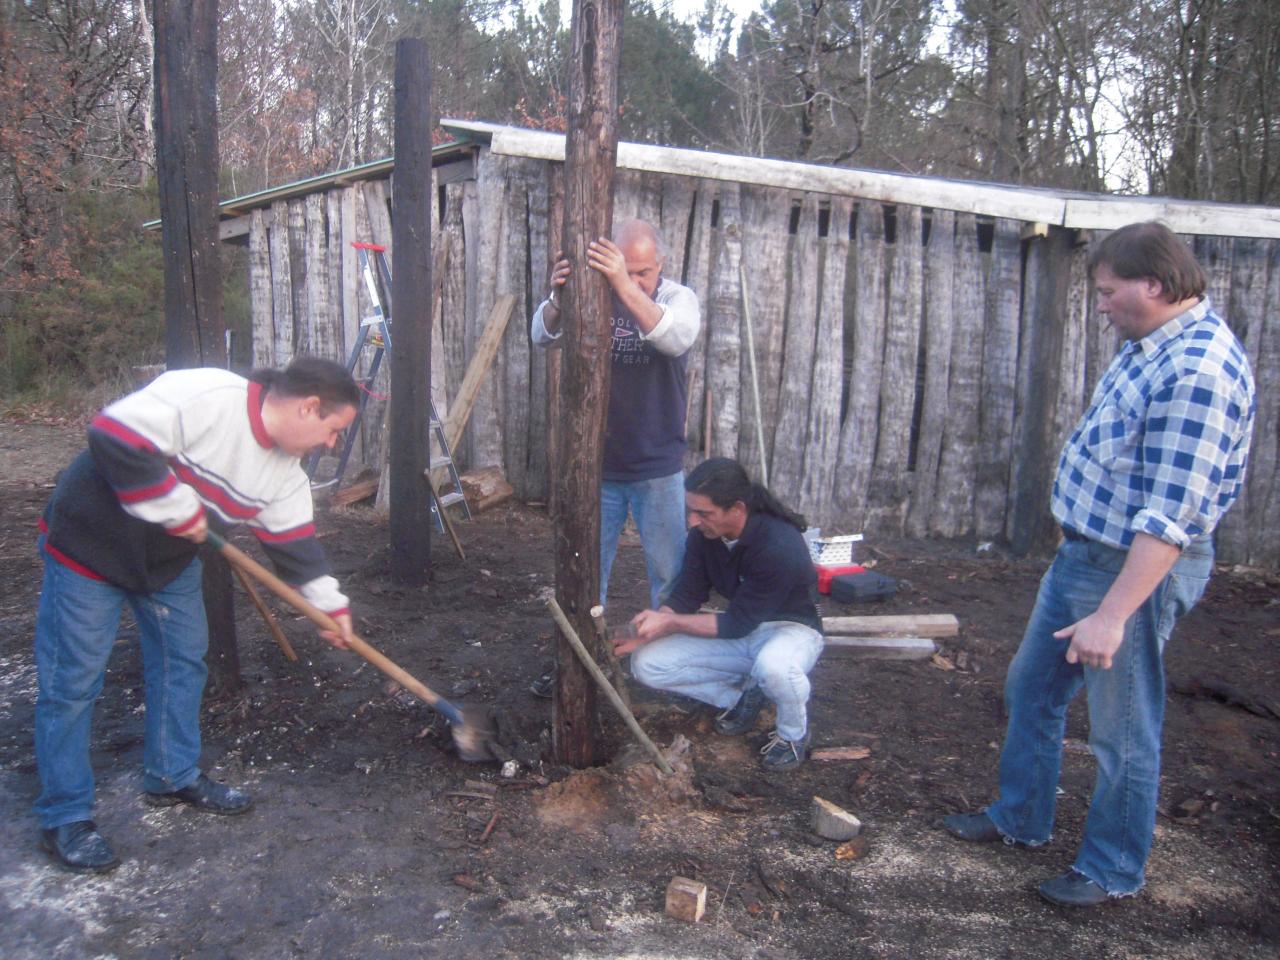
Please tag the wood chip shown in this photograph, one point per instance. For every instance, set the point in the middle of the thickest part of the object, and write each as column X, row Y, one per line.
column 840, row 753
column 686, row 899
column 855, row 849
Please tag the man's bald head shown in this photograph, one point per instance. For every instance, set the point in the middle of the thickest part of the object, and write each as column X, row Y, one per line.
column 644, row 250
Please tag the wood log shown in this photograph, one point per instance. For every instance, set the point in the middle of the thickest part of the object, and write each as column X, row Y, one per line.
column 889, row 492
column 1263, row 481
column 517, row 397
column 484, row 443
column 999, row 379
column 281, row 285
column 832, row 822
column 586, row 319
column 724, row 320
column 894, row 625
column 298, row 276
column 697, row 276
column 686, row 899
column 952, row 515
column 858, row 433
column 766, row 216
column 881, row 648
column 325, row 337
column 537, row 475
column 822, row 449
column 409, row 451
column 939, row 283
column 485, row 486
column 790, row 439
column 261, row 332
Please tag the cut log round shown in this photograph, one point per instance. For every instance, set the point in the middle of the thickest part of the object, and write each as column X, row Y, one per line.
column 832, row 822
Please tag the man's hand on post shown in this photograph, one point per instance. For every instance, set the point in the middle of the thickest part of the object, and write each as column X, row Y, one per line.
column 605, row 257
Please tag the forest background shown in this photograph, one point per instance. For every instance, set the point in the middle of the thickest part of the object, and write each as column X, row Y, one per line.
column 1166, row 97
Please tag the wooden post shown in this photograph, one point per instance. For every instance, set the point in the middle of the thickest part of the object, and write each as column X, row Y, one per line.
column 186, row 80
column 411, row 316
column 590, row 156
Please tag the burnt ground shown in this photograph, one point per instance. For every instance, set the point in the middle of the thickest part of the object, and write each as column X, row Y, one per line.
column 360, row 844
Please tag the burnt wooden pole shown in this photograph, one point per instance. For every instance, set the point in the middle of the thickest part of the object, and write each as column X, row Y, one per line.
column 590, row 155
column 411, row 302
column 186, row 113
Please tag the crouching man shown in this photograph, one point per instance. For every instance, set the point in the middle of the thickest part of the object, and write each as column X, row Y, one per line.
column 748, row 547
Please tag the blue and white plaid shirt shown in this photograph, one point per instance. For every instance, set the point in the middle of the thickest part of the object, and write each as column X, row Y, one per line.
column 1163, row 447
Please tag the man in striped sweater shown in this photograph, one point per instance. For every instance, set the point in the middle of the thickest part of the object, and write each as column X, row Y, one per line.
column 124, row 525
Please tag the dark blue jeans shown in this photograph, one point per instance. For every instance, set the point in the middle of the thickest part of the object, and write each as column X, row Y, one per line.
column 75, row 631
column 1126, row 712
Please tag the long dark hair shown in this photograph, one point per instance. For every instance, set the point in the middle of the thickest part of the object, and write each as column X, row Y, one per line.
column 311, row 377
column 724, row 483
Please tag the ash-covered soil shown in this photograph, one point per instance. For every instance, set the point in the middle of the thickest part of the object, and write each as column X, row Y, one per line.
column 370, row 838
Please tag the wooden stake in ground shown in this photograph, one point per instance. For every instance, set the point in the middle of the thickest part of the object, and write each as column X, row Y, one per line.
column 590, row 155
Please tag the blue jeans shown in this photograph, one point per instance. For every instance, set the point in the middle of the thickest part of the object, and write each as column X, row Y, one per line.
column 1126, row 712
column 658, row 508
column 75, row 631
column 777, row 655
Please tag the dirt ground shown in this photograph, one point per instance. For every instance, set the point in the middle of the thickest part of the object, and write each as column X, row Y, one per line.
column 367, row 839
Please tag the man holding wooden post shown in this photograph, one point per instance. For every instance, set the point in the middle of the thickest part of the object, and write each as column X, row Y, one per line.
column 749, row 548
column 1147, row 474
column 655, row 322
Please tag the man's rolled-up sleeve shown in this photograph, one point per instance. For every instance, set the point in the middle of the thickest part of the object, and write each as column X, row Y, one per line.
column 680, row 323
column 1192, row 427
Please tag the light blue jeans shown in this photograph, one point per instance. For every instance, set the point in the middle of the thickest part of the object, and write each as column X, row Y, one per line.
column 1126, row 712
column 75, row 630
column 777, row 655
column 658, row 508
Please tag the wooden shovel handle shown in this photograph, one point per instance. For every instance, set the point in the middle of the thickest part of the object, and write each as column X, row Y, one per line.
column 242, row 561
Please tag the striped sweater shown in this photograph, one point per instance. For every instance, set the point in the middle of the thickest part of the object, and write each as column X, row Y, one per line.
column 190, row 443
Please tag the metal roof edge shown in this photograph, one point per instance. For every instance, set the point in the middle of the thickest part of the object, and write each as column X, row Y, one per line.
column 1073, row 209
column 237, row 206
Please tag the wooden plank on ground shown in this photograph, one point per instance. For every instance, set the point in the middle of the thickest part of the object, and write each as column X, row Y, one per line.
column 881, row 648
column 893, row 625
column 486, row 349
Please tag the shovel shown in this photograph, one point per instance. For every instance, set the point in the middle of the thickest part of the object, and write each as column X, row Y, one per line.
column 471, row 727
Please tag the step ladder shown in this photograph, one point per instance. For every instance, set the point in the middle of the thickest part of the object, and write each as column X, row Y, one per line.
column 375, row 331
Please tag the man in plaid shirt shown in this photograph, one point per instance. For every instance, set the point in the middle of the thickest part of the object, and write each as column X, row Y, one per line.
column 1153, row 465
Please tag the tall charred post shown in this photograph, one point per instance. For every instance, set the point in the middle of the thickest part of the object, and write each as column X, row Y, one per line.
column 591, row 149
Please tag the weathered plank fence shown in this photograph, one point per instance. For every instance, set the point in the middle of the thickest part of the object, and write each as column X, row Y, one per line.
column 919, row 366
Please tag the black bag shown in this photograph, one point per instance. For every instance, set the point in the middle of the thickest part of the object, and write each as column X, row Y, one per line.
column 862, row 587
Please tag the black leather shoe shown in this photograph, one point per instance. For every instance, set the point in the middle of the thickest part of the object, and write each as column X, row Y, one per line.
column 80, row 847
column 974, row 827
column 205, row 795
column 1073, row 889
column 742, row 716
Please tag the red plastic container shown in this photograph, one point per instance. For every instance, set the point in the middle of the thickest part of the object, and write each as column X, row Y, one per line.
column 827, row 573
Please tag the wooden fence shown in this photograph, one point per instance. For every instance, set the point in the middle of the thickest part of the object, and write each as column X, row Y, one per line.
column 918, row 368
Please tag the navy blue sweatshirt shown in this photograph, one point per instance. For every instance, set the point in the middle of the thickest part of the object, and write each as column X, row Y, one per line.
column 768, row 575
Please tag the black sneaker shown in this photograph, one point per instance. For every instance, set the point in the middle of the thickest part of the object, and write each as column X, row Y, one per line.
column 544, row 686
column 742, row 716
column 780, row 754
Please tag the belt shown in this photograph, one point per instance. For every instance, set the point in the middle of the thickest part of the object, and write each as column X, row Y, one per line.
column 1072, row 534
